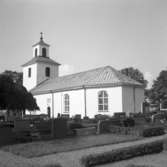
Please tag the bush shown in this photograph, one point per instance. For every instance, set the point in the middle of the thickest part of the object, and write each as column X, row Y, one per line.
column 129, row 122
column 122, row 154
column 101, row 117
column 133, row 165
column 75, row 125
column 153, row 131
column 77, row 118
column 120, row 114
column 116, row 121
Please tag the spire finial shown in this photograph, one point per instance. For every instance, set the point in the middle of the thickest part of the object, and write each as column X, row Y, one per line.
column 41, row 36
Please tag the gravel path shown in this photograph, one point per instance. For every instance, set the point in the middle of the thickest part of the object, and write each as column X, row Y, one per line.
column 72, row 158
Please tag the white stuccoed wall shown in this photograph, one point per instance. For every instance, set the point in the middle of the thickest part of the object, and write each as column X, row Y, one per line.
column 120, row 99
column 76, row 103
column 41, row 71
column 114, row 101
column 31, row 82
column 43, row 101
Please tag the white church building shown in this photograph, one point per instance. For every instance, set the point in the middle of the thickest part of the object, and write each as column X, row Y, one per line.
column 98, row 91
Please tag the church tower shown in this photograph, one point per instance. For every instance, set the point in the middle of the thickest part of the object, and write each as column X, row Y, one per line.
column 40, row 68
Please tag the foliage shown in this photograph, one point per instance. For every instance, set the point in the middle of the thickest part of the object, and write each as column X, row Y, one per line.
column 129, row 122
column 14, row 96
column 101, row 117
column 75, row 125
column 17, row 77
column 134, row 165
column 122, row 153
column 134, row 74
column 158, row 92
column 153, row 131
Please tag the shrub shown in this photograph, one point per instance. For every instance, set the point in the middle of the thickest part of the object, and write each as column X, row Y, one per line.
column 86, row 118
column 153, row 131
column 129, row 122
column 122, row 154
column 133, row 165
column 120, row 114
column 101, row 117
column 116, row 121
column 77, row 118
column 75, row 125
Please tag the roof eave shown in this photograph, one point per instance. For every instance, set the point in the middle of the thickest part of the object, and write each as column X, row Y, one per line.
column 41, row 44
column 85, row 87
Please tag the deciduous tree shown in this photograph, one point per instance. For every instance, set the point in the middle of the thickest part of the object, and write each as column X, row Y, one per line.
column 134, row 74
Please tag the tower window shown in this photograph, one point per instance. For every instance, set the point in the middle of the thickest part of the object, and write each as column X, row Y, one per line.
column 29, row 72
column 44, row 52
column 47, row 72
column 36, row 50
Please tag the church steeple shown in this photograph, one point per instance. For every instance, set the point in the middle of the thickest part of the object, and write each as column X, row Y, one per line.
column 41, row 48
column 40, row 67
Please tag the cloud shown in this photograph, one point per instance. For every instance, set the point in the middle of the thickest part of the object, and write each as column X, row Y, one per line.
column 66, row 69
column 149, row 77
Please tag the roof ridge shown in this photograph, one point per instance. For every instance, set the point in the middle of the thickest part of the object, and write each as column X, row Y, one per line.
column 40, row 59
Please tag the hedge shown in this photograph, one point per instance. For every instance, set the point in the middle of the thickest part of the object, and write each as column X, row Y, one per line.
column 122, row 153
column 153, row 131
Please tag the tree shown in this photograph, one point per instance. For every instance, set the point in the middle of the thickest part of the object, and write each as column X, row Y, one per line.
column 17, row 77
column 14, row 96
column 158, row 92
column 134, row 74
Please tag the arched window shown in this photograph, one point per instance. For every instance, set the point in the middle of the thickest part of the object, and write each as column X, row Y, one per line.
column 44, row 52
column 47, row 72
column 36, row 52
column 102, row 101
column 66, row 103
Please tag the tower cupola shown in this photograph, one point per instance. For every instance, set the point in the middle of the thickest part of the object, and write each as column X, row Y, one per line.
column 41, row 48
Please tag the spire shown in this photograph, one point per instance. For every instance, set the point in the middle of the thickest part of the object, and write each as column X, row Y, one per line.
column 41, row 36
column 41, row 42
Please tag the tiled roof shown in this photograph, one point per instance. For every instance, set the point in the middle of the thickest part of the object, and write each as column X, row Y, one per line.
column 100, row 77
column 40, row 59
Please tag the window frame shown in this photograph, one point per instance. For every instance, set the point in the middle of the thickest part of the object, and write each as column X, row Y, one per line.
column 103, row 101
column 44, row 52
column 36, row 52
column 66, row 103
column 47, row 72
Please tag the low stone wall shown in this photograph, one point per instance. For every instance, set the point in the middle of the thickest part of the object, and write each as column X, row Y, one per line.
column 86, row 131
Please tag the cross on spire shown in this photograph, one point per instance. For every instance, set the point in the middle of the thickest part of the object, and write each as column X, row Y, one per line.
column 41, row 36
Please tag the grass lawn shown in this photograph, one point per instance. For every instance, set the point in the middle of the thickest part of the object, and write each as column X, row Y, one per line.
column 40, row 148
column 154, row 160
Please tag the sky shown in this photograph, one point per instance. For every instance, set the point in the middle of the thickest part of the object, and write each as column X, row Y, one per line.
column 86, row 34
